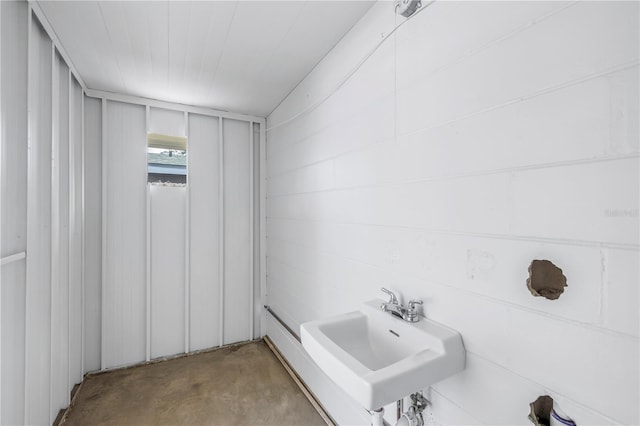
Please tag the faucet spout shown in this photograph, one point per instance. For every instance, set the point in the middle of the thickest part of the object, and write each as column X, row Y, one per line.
column 396, row 309
column 393, row 305
column 398, row 313
column 393, row 309
column 392, row 297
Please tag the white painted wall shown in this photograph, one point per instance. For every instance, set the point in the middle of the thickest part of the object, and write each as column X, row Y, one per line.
column 205, row 245
column 41, row 242
column 124, row 267
column 40, row 275
column 13, row 106
column 60, row 271
column 74, row 290
column 167, row 208
column 475, row 138
column 177, row 267
column 77, row 367
column 238, row 303
column 92, row 233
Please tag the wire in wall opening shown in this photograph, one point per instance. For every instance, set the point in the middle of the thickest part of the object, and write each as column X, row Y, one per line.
column 545, row 412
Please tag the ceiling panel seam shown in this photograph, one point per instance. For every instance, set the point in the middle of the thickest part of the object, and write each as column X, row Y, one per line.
column 115, row 54
column 284, row 37
column 215, row 72
column 205, row 46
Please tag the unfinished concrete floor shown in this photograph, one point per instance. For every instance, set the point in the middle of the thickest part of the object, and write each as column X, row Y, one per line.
column 238, row 385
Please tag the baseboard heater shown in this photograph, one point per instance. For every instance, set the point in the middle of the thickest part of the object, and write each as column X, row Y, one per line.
column 284, row 324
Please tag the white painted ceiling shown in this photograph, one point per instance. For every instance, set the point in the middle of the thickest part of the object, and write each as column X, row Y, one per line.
column 240, row 56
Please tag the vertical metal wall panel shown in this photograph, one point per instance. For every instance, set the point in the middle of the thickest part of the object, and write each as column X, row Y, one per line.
column 147, row 343
column 92, row 232
column 251, row 224
column 82, row 224
column 168, row 215
column 187, row 255
column 75, row 232
column 237, row 238
column 167, row 122
column 14, row 128
column 104, row 269
column 221, row 250
column 54, row 320
column 38, row 288
column 60, row 248
column 13, row 95
column 124, row 313
column 263, row 228
column 204, row 187
column 1, row 199
column 13, row 341
column 256, row 240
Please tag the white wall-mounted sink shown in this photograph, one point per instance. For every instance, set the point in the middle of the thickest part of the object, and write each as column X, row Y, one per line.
column 378, row 358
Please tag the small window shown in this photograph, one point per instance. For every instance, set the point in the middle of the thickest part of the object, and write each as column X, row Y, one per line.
column 166, row 159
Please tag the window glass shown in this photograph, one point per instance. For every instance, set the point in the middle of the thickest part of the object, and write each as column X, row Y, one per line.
column 166, row 159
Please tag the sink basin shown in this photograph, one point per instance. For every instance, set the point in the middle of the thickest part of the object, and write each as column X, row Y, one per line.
column 378, row 358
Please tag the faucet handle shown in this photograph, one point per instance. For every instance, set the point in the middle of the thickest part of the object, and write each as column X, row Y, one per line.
column 392, row 297
column 412, row 312
column 413, row 303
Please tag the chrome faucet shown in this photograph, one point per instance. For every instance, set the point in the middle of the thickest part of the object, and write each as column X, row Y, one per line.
column 394, row 307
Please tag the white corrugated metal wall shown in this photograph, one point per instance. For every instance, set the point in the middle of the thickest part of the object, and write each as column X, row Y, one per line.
column 94, row 274
column 42, row 222
column 173, row 271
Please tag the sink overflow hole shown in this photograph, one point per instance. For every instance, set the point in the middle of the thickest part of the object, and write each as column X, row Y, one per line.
column 394, row 333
